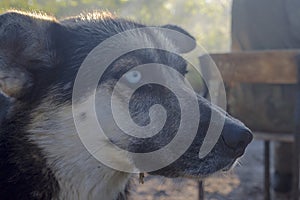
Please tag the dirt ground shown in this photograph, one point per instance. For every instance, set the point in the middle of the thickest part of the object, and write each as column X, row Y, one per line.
column 245, row 182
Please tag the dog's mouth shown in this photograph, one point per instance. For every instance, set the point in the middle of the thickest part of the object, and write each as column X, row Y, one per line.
column 198, row 174
column 230, row 166
column 234, row 162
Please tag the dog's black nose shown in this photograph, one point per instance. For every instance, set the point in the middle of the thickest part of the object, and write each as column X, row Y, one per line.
column 237, row 137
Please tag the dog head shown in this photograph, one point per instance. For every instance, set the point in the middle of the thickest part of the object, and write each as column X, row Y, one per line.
column 40, row 59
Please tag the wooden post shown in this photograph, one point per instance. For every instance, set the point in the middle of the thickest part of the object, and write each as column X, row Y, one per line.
column 201, row 190
column 267, row 170
column 297, row 138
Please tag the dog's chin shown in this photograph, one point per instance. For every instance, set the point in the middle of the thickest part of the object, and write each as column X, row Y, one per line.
column 196, row 174
column 225, row 169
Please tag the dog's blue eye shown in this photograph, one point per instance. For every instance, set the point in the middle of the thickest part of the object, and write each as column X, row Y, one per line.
column 133, row 76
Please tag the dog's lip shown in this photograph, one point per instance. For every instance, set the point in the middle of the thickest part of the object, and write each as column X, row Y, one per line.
column 228, row 167
column 231, row 164
column 240, row 153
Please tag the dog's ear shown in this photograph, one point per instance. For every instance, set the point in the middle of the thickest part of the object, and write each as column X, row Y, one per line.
column 185, row 44
column 25, row 45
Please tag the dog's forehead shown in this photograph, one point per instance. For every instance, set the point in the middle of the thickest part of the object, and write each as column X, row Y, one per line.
column 136, row 60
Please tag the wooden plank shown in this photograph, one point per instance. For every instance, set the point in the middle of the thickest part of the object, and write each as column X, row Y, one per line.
column 268, row 136
column 276, row 67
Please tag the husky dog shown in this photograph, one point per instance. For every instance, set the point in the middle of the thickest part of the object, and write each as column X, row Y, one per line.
column 41, row 154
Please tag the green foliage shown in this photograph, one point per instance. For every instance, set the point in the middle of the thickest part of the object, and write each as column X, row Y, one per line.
column 207, row 20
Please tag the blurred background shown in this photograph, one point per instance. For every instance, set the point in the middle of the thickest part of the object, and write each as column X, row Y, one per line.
column 207, row 20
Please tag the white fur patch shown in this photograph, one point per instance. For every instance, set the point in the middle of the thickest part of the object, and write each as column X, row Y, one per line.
column 79, row 174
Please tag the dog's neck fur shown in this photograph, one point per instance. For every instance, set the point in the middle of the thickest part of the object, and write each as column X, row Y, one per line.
column 78, row 173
